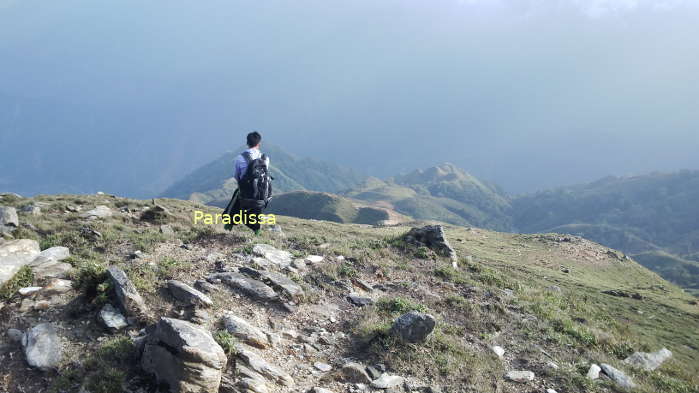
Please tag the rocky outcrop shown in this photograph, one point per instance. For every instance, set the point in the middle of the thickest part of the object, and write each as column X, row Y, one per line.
column 14, row 255
column 188, row 295
column 8, row 219
column 519, row 376
column 620, row 379
column 42, row 347
column 245, row 331
column 413, row 327
column 260, row 366
column 648, row 361
column 277, row 281
column 128, row 299
column 278, row 257
column 48, row 263
column 112, row 319
column 183, row 357
column 100, row 211
column 251, row 287
column 432, row 236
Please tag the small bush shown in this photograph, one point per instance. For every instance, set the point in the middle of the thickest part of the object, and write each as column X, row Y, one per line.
column 398, row 305
column 23, row 278
column 227, row 341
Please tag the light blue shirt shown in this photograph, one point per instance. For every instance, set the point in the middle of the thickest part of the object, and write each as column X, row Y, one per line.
column 241, row 165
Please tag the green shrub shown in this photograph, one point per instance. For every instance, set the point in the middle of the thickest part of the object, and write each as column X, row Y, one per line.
column 23, row 278
column 398, row 305
column 227, row 341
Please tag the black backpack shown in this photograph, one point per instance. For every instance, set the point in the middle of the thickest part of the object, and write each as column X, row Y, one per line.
column 256, row 184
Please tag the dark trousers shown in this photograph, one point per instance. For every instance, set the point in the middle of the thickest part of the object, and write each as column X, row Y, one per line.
column 233, row 208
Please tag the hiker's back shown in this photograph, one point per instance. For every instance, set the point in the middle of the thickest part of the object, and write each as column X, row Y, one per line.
column 256, row 183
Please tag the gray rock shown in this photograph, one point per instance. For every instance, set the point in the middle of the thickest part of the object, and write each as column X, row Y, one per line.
column 519, row 376
column 128, row 299
column 28, row 291
column 245, row 331
column 44, row 267
column 278, row 257
column 320, row 390
column 373, row 373
column 387, row 381
column 355, row 373
column 593, row 372
column 56, row 253
column 432, row 236
column 184, row 357
column 260, row 366
column 205, row 287
column 31, row 209
column 112, row 319
column 42, row 347
column 8, row 219
column 15, row 335
column 15, row 254
column 278, row 281
column 57, row 286
column 414, row 326
column 188, row 295
column 324, row 367
column 100, row 211
column 251, row 287
column 362, row 284
column 155, row 213
column 359, row 301
column 167, row 230
column 500, row 351
column 649, row 361
column 619, row 378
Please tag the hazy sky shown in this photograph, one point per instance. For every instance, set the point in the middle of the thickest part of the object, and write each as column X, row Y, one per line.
column 127, row 96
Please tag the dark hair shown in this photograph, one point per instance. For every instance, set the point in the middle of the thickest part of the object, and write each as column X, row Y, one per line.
column 254, row 139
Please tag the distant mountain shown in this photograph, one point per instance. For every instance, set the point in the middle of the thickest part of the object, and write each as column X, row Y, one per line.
column 330, row 207
column 654, row 218
column 444, row 193
column 213, row 183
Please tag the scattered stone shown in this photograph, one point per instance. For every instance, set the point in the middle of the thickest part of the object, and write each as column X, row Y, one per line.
column 373, row 372
column 414, row 326
column 593, row 372
column 42, row 347
column 260, row 366
column 313, row 259
column 205, row 286
column 73, row 209
column 551, row 391
column 278, row 257
column 387, row 381
column 251, row 287
column 278, row 281
column 551, row 365
column 188, row 295
column 31, row 209
column 112, row 319
column 324, row 367
column 56, row 253
column 100, row 211
column 128, row 299
column 554, row 288
column 648, row 361
column 519, row 376
column 355, row 373
column 359, row 301
column 621, row 379
column 155, row 213
column 15, row 254
column 28, row 291
column 500, row 351
column 184, row 357
column 432, row 236
column 621, row 293
column 362, row 284
column 245, row 331
column 15, row 335
column 8, row 219
column 167, row 230
column 57, row 286
column 320, row 390
column 43, row 268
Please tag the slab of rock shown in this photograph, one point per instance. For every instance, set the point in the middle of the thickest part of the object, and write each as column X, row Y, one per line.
column 648, row 361
column 355, row 373
column 57, row 253
column 278, row 257
column 112, row 319
column 44, row 267
column 245, row 331
column 167, row 230
column 593, row 372
column 155, row 213
column 313, row 259
column 100, row 211
column 33, row 210
column 413, row 327
column 324, row 367
column 500, row 351
column 42, row 347
column 249, row 286
column 387, row 381
column 28, row 291
column 188, row 295
column 128, row 299
column 431, row 236
column 519, row 376
column 184, row 357
column 15, row 335
column 619, row 378
column 57, row 286
column 15, row 254
column 359, row 301
column 260, row 366
column 278, row 281
column 8, row 219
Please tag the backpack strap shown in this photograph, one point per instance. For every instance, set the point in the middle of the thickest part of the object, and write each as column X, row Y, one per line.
column 247, row 156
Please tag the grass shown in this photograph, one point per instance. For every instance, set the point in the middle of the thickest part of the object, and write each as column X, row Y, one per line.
column 227, row 342
column 23, row 278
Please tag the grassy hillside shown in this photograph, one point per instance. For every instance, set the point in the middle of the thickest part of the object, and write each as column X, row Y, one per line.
column 539, row 296
column 444, row 193
column 213, row 183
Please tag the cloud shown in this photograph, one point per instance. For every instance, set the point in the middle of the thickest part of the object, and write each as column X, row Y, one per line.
column 590, row 8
